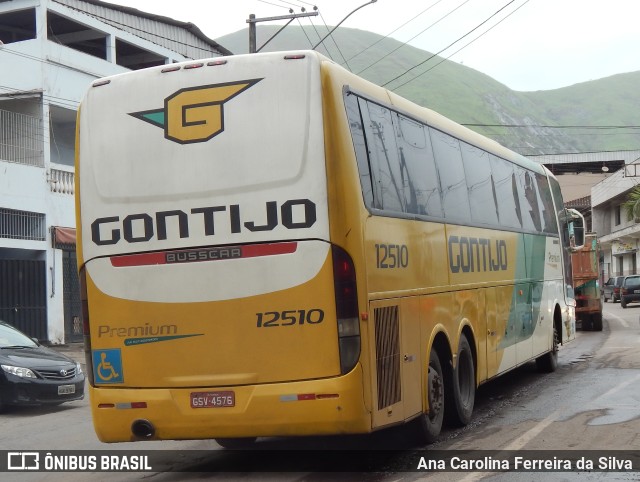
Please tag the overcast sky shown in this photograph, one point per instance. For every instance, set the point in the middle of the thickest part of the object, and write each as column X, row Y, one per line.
column 528, row 45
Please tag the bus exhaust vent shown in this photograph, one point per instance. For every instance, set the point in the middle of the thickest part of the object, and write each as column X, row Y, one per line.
column 387, row 355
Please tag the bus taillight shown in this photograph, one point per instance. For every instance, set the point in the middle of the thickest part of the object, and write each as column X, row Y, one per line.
column 344, row 282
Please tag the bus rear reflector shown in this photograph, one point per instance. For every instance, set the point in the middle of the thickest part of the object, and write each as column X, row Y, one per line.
column 347, row 314
column 212, row 253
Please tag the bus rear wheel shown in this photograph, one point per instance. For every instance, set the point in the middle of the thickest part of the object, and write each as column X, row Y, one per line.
column 462, row 393
column 236, row 443
column 428, row 425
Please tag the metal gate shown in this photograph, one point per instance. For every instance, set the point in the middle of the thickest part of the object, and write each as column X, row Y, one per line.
column 72, row 303
column 23, row 299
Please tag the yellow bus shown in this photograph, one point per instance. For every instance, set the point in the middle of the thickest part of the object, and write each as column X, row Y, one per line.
column 270, row 245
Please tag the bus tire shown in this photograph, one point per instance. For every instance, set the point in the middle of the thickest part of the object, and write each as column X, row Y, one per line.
column 548, row 362
column 428, row 425
column 462, row 386
column 236, row 443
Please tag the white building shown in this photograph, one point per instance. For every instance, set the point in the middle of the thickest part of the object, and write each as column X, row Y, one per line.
column 50, row 51
column 598, row 183
column 618, row 232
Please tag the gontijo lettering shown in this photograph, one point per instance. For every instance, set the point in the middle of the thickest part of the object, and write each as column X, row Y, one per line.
column 141, row 227
column 472, row 255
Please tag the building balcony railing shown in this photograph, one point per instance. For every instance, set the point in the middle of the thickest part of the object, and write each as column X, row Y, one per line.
column 62, row 182
column 21, row 139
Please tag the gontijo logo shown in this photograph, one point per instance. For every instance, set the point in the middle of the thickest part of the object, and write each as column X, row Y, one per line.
column 195, row 114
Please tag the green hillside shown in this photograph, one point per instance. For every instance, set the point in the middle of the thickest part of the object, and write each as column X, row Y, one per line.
column 473, row 98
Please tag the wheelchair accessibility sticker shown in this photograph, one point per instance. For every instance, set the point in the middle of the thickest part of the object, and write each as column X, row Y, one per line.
column 107, row 365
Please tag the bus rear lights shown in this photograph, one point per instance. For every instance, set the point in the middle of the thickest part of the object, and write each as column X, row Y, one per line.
column 99, row 83
column 308, row 396
column 348, row 327
column 216, row 63
column 193, row 66
column 173, row 68
column 123, row 406
column 294, row 57
column 347, row 313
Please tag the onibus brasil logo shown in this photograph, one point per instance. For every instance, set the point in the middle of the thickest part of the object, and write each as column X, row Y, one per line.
column 194, row 114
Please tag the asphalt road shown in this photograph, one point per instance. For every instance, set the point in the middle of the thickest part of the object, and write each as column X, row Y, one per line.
column 591, row 403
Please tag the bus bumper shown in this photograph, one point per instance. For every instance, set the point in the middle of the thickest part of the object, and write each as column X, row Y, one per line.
column 315, row 407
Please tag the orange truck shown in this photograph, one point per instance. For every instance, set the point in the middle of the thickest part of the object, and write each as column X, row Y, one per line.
column 584, row 263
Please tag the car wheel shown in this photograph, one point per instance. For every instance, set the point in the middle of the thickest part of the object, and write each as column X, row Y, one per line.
column 623, row 303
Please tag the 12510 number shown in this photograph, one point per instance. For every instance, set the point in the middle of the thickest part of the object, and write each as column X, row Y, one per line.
column 392, row 256
column 289, row 318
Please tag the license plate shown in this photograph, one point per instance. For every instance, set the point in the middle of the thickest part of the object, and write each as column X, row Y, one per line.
column 66, row 389
column 636, row 291
column 213, row 399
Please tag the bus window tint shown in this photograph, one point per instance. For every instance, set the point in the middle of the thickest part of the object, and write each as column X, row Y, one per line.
column 528, row 200
column 359, row 143
column 503, row 183
column 383, row 157
column 548, row 211
column 482, row 196
column 418, row 169
column 453, row 184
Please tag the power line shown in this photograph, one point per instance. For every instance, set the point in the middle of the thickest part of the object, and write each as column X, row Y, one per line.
column 448, row 46
column 464, row 46
column 335, row 42
column 553, row 127
column 395, row 30
column 417, row 35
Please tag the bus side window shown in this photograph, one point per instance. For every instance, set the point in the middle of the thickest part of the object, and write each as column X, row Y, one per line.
column 503, row 185
column 482, row 196
column 360, row 145
column 383, row 157
column 422, row 190
column 453, row 185
column 528, row 200
column 548, row 211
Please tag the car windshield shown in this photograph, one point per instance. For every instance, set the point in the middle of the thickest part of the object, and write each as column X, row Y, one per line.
column 12, row 338
column 632, row 282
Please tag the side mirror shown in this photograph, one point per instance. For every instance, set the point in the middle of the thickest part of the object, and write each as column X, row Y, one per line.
column 576, row 228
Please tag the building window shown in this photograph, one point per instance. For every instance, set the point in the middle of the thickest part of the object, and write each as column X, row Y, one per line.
column 18, row 26
column 617, row 214
column 67, row 32
column 22, row 225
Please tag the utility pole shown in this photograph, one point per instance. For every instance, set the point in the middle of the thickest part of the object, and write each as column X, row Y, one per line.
column 252, row 21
